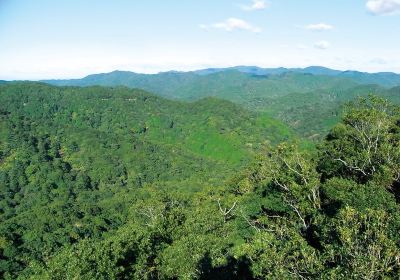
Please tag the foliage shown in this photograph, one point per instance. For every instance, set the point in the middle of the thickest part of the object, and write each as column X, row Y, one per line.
column 113, row 183
column 366, row 145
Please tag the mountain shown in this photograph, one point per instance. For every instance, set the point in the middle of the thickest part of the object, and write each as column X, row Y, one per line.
column 229, row 84
column 73, row 160
column 118, row 183
column 386, row 79
column 307, row 99
column 239, row 83
column 215, row 129
column 317, row 70
column 255, row 70
column 314, row 113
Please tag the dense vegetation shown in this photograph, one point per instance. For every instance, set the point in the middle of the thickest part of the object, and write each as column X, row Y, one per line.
column 308, row 100
column 73, row 160
column 115, row 183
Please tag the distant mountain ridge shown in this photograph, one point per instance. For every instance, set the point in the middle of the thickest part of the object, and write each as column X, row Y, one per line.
column 308, row 99
column 230, row 84
column 133, row 79
column 255, row 70
column 386, row 79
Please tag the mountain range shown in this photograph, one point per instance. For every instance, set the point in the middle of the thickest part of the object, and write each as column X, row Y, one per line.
column 386, row 79
column 307, row 99
column 115, row 182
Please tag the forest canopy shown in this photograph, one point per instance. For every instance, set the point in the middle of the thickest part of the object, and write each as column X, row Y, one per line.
column 116, row 183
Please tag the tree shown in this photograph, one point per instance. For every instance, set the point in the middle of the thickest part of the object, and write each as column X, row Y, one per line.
column 365, row 145
column 292, row 172
column 360, row 246
column 281, row 254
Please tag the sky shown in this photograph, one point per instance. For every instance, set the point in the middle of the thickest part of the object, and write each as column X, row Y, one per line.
column 43, row 39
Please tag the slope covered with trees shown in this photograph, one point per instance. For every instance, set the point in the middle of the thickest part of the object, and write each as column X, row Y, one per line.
column 73, row 159
column 309, row 100
column 229, row 84
column 113, row 183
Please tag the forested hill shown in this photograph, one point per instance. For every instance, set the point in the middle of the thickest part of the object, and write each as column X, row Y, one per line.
column 386, row 79
column 229, row 84
column 199, row 127
column 116, row 183
column 73, row 160
column 176, row 79
column 308, row 100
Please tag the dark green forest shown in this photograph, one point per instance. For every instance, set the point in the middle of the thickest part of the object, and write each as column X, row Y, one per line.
column 118, row 183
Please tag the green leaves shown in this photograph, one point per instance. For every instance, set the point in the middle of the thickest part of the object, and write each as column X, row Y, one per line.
column 363, row 249
column 366, row 145
column 281, row 256
column 292, row 173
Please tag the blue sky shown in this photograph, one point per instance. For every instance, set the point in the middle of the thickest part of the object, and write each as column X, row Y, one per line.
column 72, row 38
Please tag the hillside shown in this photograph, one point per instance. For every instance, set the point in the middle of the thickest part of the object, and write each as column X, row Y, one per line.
column 83, row 153
column 229, row 84
column 309, row 100
column 176, row 79
column 313, row 114
column 385, row 79
column 117, row 183
column 151, row 117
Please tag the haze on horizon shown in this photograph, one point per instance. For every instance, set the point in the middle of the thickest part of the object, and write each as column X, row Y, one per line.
column 46, row 39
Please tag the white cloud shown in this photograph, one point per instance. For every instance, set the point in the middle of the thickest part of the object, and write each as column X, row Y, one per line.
column 319, row 27
column 322, row 45
column 383, row 7
column 232, row 24
column 257, row 5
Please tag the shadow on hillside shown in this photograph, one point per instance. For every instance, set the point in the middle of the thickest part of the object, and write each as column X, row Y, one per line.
column 233, row 270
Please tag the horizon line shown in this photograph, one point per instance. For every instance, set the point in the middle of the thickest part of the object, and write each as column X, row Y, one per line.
column 203, row 69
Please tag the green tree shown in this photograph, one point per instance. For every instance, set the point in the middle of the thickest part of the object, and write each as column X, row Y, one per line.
column 360, row 246
column 365, row 145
